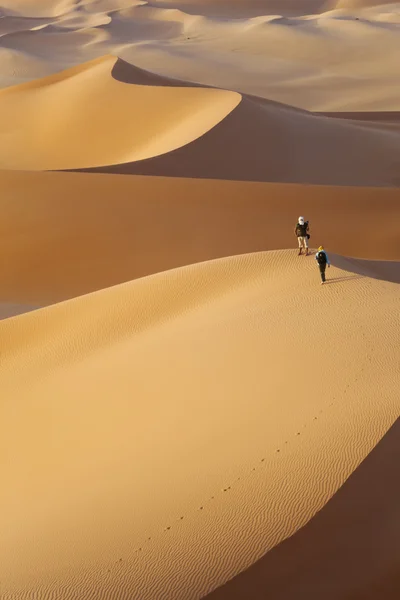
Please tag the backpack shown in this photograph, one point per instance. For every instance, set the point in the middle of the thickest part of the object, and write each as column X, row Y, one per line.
column 321, row 258
column 301, row 230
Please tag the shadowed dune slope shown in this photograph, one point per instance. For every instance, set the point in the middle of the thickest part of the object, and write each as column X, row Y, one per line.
column 221, row 441
column 246, row 8
column 348, row 550
column 265, row 141
column 66, row 234
column 86, row 118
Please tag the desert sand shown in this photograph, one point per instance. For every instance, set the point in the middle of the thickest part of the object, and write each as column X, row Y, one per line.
column 185, row 412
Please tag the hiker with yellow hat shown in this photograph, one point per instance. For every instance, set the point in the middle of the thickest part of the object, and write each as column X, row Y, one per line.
column 322, row 259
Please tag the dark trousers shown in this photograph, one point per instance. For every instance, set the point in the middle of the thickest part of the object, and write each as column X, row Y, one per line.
column 322, row 271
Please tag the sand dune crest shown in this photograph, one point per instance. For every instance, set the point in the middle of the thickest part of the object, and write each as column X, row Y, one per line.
column 67, row 234
column 229, row 314
column 109, row 122
column 200, row 132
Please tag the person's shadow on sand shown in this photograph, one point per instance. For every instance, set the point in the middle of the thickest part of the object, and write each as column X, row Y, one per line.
column 339, row 279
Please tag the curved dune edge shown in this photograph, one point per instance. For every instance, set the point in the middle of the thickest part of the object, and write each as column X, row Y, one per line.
column 261, row 140
column 68, row 234
column 84, row 117
column 221, row 441
column 291, row 51
column 342, row 552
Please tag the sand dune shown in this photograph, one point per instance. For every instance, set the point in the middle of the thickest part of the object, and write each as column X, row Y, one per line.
column 246, row 8
column 66, row 234
column 14, row 24
column 185, row 412
column 363, row 3
column 310, row 54
column 246, row 451
column 345, row 551
column 200, row 132
column 37, row 8
column 263, row 141
column 127, row 124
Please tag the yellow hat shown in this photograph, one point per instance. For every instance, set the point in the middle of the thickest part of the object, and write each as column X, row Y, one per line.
column 320, row 248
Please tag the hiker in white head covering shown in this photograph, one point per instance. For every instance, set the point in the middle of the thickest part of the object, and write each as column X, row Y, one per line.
column 301, row 231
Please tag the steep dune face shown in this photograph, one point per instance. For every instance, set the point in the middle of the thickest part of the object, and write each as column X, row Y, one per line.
column 264, row 141
column 66, row 234
column 347, row 551
column 141, row 494
column 84, row 117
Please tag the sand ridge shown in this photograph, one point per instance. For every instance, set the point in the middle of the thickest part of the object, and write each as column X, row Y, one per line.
column 98, row 130
column 314, row 55
column 229, row 312
column 173, row 130
column 325, row 555
column 76, row 233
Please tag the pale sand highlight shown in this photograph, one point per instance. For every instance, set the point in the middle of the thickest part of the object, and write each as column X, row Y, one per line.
column 228, row 440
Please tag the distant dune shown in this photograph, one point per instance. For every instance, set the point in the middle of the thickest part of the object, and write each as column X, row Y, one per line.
column 363, row 3
column 312, row 54
column 145, row 126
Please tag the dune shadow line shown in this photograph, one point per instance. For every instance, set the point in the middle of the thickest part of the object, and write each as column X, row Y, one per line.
column 349, row 550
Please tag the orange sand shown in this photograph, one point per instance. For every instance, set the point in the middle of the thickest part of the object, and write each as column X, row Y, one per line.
column 185, row 412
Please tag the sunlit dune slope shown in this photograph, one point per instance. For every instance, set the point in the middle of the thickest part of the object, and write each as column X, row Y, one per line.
column 85, row 117
column 111, row 116
column 65, row 234
column 149, row 423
